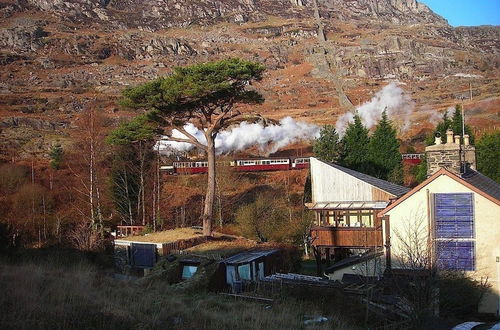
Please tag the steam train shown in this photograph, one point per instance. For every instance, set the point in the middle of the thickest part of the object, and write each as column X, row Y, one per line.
column 412, row 158
column 240, row 165
column 256, row 165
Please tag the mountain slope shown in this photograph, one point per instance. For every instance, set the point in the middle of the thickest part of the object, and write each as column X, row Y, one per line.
column 60, row 56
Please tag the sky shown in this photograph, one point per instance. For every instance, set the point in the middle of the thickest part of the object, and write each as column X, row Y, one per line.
column 467, row 12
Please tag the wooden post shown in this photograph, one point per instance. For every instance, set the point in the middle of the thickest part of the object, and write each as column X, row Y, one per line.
column 317, row 256
column 387, row 242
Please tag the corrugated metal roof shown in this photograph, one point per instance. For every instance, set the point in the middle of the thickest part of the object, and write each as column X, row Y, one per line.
column 482, row 182
column 248, row 256
column 353, row 260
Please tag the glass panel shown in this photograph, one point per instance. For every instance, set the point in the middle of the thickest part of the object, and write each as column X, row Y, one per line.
column 454, row 215
column 188, row 271
column 244, row 272
column 455, row 255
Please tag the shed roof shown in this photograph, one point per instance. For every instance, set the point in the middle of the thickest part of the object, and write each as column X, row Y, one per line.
column 166, row 236
column 386, row 186
column 248, row 256
column 353, row 260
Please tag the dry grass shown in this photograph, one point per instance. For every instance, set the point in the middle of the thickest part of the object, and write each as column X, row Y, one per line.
column 166, row 236
column 44, row 296
column 223, row 248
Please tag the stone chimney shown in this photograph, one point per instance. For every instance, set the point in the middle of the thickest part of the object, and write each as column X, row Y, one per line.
column 443, row 155
column 449, row 155
column 469, row 153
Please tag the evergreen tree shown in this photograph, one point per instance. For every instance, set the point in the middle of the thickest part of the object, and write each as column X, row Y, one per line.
column 420, row 171
column 207, row 95
column 132, row 161
column 384, row 155
column 355, row 146
column 488, row 155
column 327, row 147
column 455, row 123
column 56, row 156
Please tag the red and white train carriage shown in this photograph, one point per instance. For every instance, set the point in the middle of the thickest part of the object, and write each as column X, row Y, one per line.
column 240, row 165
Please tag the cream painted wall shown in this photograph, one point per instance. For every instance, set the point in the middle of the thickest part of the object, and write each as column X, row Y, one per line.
column 330, row 184
column 412, row 216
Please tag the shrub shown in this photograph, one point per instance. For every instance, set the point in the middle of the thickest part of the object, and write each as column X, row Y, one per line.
column 460, row 295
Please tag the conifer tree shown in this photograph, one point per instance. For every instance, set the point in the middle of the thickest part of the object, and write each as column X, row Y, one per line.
column 384, row 155
column 56, row 156
column 455, row 123
column 355, row 146
column 488, row 155
column 327, row 147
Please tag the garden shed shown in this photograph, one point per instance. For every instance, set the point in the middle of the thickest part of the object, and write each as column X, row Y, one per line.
column 249, row 266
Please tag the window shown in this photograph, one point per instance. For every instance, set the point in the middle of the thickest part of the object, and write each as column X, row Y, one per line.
column 244, row 272
column 454, row 231
column 346, row 218
column 188, row 271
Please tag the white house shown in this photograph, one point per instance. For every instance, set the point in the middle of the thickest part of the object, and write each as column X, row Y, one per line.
column 453, row 217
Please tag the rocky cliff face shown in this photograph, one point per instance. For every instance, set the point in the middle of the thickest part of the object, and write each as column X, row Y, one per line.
column 157, row 14
column 58, row 57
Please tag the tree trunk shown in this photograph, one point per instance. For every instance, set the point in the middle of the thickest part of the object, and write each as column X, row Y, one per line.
column 143, row 199
column 209, row 197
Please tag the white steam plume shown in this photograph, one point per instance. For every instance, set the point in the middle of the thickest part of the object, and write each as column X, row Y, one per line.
column 267, row 138
column 399, row 107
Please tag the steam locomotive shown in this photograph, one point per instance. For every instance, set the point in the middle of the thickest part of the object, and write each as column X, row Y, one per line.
column 240, row 165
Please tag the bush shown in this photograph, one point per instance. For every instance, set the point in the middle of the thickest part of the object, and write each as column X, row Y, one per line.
column 460, row 295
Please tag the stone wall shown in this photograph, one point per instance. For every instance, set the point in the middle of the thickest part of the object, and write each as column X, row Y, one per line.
column 448, row 158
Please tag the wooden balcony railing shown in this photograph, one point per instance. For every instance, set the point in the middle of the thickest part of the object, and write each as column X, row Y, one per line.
column 346, row 236
column 123, row 231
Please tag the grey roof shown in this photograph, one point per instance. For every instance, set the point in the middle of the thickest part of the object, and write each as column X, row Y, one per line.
column 248, row 256
column 386, row 186
column 482, row 182
column 353, row 260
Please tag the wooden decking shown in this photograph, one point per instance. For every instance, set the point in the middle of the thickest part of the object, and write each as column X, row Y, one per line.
column 348, row 237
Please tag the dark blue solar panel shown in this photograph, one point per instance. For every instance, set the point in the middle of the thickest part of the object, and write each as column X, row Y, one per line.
column 143, row 255
column 455, row 255
column 454, row 215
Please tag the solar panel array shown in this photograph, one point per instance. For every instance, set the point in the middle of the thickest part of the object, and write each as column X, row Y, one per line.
column 454, row 230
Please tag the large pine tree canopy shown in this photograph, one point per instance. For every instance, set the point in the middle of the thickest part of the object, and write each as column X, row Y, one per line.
column 197, row 91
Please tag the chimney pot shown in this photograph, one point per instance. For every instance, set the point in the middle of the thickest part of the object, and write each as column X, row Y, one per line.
column 466, row 139
column 457, row 139
column 449, row 136
column 437, row 139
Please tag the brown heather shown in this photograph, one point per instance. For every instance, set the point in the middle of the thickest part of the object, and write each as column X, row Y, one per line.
column 38, row 295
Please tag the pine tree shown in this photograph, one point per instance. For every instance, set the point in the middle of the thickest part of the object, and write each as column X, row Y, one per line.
column 383, row 154
column 56, row 156
column 355, row 147
column 488, row 155
column 327, row 147
column 455, row 123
